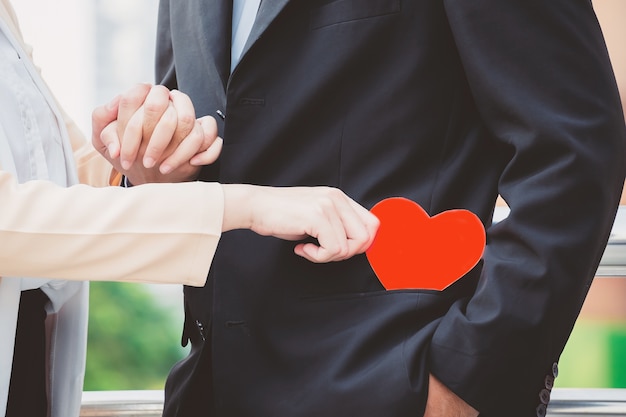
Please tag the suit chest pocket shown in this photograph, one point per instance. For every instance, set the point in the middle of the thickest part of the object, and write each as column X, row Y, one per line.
column 342, row 11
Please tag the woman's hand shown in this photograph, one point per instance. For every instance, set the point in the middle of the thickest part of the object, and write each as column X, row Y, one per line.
column 342, row 227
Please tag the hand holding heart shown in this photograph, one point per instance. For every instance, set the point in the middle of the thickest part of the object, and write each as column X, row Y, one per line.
column 415, row 251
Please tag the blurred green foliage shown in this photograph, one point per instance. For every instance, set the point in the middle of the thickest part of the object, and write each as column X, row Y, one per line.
column 595, row 356
column 133, row 338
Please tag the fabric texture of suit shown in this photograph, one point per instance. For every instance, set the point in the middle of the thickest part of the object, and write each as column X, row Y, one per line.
column 159, row 233
column 448, row 103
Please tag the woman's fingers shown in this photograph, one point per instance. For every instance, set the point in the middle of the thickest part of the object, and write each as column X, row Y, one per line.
column 347, row 229
column 132, row 138
column 161, row 138
column 341, row 226
column 129, row 103
column 101, row 118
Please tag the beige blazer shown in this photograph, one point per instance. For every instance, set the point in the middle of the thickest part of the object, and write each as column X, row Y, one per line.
column 160, row 233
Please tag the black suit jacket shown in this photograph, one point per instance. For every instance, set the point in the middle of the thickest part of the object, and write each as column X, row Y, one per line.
column 446, row 102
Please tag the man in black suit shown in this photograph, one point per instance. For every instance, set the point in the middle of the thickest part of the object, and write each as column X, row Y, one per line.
column 449, row 103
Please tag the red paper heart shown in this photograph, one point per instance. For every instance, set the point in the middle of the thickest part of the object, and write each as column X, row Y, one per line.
column 414, row 250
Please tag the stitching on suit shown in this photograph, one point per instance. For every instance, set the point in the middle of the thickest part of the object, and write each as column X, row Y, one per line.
column 343, row 11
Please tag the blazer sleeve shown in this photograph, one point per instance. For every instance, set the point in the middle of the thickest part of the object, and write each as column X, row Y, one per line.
column 159, row 233
column 162, row 233
column 542, row 81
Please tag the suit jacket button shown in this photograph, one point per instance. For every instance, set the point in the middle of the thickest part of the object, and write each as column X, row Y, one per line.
column 549, row 382
column 541, row 410
column 555, row 369
column 544, row 396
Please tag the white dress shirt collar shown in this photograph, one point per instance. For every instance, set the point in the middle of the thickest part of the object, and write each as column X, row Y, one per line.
column 244, row 14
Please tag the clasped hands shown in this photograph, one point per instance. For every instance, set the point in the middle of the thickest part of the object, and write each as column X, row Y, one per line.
column 151, row 134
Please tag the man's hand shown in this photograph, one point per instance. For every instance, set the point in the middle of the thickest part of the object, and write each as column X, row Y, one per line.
column 444, row 403
column 342, row 227
column 150, row 134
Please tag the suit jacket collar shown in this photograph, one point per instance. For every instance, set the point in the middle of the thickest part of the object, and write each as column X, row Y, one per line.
column 215, row 17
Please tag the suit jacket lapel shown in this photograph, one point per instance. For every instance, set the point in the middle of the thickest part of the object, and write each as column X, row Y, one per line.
column 218, row 15
column 268, row 11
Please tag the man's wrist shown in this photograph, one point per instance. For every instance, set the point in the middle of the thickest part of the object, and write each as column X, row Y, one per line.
column 442, row 402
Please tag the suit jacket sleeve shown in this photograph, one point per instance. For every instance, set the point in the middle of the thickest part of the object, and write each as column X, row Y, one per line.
column 542, row 81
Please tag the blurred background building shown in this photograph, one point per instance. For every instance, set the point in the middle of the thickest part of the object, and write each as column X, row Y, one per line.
column 91, row 50
column 595, row 355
